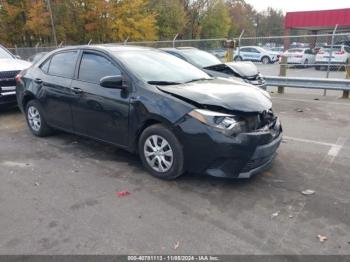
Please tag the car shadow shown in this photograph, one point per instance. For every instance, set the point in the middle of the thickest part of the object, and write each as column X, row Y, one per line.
column 86, row 148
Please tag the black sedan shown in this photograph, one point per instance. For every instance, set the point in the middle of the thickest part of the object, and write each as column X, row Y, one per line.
column 175, row 116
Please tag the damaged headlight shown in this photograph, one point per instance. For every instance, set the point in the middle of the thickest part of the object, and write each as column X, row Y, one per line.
column 224, row 123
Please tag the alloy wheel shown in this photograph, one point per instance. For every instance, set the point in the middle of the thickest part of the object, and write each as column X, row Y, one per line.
column 158, row 153
column 34, row 118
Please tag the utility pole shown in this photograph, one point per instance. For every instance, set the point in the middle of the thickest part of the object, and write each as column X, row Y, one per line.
column 52, row 22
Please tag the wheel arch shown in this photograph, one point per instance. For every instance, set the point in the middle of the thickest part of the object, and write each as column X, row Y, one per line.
column 147, row 123
column 27, row 96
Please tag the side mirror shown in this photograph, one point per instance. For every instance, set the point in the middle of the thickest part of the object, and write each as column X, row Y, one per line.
column 115, row 82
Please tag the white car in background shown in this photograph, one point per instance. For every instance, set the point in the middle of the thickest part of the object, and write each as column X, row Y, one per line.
column 255, row 54
column 278, row 51
column 336, row 54
column 300, row 56
column 10, row 66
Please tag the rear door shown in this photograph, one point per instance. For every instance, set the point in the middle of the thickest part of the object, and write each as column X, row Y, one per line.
column 100, row 112
column 56, row 96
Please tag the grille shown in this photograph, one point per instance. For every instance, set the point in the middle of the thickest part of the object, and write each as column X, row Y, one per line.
column 7, row 78
column 8, row 74
column 262, row 120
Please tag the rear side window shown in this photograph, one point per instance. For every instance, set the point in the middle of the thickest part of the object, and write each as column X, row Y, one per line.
column 93, row 67
column 63, row 64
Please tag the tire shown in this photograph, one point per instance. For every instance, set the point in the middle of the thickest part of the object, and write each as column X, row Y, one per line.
column 166, row 163
column 265, row 60
column 317, row 68
column 238, row 59
column 306, row 63
column 35, row 119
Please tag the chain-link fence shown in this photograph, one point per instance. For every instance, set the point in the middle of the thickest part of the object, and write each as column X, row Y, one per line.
column 272, row 46
column 27, row 52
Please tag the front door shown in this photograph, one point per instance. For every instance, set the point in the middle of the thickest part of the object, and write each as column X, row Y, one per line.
column 99, row 112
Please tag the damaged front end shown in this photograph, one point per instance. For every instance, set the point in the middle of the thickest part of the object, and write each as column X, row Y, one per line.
column 231, row 130
column 247, row 71
column 236, row 145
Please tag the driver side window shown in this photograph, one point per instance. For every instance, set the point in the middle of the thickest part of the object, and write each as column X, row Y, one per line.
column 93, row 67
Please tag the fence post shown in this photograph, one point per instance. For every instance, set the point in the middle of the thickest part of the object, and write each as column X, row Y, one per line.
column 347, row 70
column 229, row 44
column 175, row 37
column 283, row 72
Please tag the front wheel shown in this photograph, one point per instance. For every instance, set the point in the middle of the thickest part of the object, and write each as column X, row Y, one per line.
column 161, row 152
column 238, row 59
column 265, row 60
column 35, row 119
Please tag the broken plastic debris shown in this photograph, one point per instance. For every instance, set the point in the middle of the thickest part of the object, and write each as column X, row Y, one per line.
column 177, row 244
column 275, row 214
column 322, row 238
column 308, row 192
column 123, row 193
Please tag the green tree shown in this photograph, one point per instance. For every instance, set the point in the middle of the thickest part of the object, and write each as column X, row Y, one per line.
column 243, row 17
column 271, row 22
column 171, row 17
column 216, row 20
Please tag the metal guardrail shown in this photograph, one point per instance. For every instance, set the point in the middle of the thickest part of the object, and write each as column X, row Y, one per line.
column 312, row 83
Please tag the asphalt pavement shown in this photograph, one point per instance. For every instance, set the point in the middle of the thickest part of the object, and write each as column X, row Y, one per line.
column 58, row 195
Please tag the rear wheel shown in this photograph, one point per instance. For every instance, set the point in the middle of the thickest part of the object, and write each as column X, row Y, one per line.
column 265, row 60
column 35, row 119
column 161, row 152
column 317, row 68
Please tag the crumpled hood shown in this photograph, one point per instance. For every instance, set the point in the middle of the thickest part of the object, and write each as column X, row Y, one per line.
column 226, row 93
column 9, row 64
column 244, row 69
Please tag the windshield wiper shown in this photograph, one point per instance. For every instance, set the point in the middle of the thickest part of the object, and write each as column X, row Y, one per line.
column 163, row 83
column 198, row 79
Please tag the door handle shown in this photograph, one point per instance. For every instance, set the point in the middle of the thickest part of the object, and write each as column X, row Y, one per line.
column 38, row 81
column 77, row 90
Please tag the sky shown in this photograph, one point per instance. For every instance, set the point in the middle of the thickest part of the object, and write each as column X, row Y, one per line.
column 299, row 5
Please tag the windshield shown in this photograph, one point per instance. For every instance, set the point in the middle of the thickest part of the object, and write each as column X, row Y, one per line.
column 4, row 54
column 200, row 58
column 329, row 48
column 156, row 66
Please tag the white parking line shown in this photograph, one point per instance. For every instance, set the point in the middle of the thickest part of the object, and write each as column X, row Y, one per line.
column 334, row 148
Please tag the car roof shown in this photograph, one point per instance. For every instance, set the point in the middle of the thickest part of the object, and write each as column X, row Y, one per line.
column 252, row 46
column 108, row 47
column 298, row 48
column 178, row 48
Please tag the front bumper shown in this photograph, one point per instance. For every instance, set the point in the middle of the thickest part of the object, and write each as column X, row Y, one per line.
column 332, row 63
column 210, row 152
column 7, row 95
